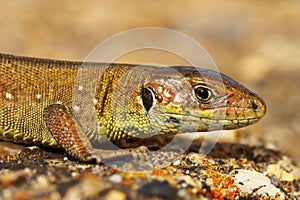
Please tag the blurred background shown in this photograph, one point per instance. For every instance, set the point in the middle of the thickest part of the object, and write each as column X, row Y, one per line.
column 257, row 44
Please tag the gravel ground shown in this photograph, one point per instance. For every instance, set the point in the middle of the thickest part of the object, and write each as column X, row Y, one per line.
column 230, row 170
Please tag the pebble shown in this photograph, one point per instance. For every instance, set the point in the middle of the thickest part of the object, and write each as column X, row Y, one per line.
column 254, row 182
column 8, row 149
column 176, row 163
column 43, row 181
column 159, row 189
column 182, row 193
column 280, row 173
column 115, row 195
column 186, row 179
column 115, row 178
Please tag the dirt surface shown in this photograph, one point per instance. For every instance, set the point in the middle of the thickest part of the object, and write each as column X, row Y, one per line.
column 255, row 43
column 230, row 170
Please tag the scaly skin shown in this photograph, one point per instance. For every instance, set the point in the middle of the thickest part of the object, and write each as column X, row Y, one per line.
column 77, row 105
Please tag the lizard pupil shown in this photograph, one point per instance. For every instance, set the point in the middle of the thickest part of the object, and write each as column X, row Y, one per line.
column 147, row 98
column 203, row 94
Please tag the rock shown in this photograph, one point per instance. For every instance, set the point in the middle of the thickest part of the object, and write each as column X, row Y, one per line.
column 253, row 182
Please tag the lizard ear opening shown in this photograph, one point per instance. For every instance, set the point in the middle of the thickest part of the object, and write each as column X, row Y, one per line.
column 147, row 97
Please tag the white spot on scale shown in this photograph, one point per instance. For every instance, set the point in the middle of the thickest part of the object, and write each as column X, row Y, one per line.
column 38, row 96
column 76, row 108
column 80, row 87
column 58, row 102
column 167, row 94
column 178, row 98
column 8, row 96
column 95, row 101
column 160, row 89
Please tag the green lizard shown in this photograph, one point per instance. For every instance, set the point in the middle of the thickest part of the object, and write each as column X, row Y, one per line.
column 74, row 105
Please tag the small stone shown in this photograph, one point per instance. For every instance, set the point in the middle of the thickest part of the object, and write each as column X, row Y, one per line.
column 280, row 173
column 196, row 158
column 186, row 179
column 159, row 189
column 43, row 181
column 115, row 178
column 176, row 163
column 116, row 195
column 274, row 170
column 182, row 193
column 9, row 150
column 285, row 176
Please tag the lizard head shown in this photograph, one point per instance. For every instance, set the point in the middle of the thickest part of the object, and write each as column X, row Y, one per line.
column 189, row 99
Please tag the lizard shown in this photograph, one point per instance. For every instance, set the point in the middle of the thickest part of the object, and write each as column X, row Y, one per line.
column 74, row 105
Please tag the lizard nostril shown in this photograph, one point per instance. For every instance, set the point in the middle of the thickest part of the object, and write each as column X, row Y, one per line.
column 254, row 105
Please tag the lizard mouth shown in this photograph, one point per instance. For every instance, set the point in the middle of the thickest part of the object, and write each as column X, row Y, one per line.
column 222, row 113
column 218, row 119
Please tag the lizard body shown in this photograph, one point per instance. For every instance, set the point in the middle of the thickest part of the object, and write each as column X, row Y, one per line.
column 73, row 104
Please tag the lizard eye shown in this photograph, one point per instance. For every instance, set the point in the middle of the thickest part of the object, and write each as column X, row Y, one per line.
column 147, row 97
column 203, row 94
